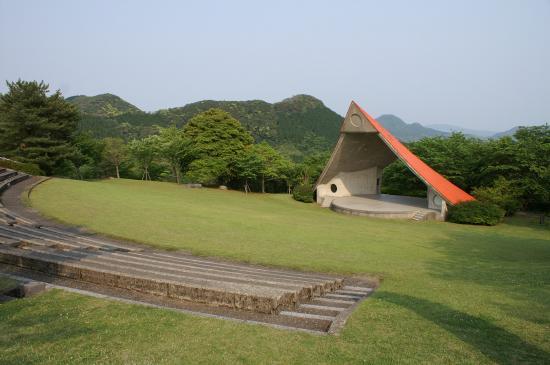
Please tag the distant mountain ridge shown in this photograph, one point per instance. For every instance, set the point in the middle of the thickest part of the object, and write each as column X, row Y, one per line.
column 449, row 128
column 407, row 132
column 509, row 132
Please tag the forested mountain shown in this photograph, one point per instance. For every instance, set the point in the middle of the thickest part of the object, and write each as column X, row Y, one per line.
column 287, row 123
column 407, row 132
column 105, row 105
column 295, row 125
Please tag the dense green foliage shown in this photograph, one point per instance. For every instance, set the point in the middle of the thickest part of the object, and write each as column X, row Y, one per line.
column 450, row 293
column 515, row 170
column 502, row 193
column 303, row 193
column 37, row 128
column 216, row 139
column 285, row 124
column 475, row 212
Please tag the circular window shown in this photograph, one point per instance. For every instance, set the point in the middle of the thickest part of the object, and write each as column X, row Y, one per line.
column 356, row 120
column 333, row 188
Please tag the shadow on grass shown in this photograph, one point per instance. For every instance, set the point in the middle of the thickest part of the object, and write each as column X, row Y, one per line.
column 518, row 267
column 494, row 342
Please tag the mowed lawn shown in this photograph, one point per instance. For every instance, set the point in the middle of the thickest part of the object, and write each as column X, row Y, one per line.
column 449, row 293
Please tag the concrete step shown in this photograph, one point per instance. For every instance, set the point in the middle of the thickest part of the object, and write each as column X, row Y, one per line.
column 255, row 290
column 307, row 315
column 359, row 289
column 419, row 215
column 216, row 266
column 5, row 184
column 302, row 292
column 316, row 306
column 234, row 295
column 308, row 286
column 322, row 312
column 343, row 296
column 182, row 257
column 5, row 175
column 331, row 301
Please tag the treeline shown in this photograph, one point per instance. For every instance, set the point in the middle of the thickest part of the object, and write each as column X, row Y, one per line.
column 212, row 148
column 511, row 172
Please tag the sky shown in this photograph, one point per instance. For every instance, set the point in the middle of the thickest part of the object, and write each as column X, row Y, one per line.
column 479, row 64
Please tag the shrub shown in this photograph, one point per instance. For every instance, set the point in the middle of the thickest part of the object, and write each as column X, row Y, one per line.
column 28, row 168
column 303, row 193
column 475, row 212
column 501, row 193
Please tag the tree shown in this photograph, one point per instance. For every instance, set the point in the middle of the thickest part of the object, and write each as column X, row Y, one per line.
column 502, row 193
column 271, row 162
column 215, row 135
column 312, row 167
column 287, row 173
column 115, row 153
column 88, row 156
column 533, row 156
column 173, row 146
column 37, row 128
column 143, row 152
column 248, row 165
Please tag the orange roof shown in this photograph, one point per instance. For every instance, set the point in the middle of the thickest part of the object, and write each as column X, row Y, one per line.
column 447, row 190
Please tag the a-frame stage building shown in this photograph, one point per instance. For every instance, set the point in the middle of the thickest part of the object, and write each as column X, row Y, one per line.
column 352, row 178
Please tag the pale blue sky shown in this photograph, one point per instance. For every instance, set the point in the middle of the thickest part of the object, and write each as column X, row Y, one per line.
column 480, row 64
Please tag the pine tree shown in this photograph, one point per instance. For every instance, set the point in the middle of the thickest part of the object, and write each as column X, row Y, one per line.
column 37, row 128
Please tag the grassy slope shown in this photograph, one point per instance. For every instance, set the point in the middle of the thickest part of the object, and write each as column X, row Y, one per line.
column 450, row 293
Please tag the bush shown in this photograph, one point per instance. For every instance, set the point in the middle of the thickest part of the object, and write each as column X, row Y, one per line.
column 303, row 193
column 501, row 193
column 475, row 212
column 28, row 168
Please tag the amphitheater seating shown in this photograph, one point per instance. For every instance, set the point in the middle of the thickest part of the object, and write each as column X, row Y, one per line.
column 297, row 298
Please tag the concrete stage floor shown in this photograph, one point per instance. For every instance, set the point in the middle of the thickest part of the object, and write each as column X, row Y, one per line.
column 383, row 205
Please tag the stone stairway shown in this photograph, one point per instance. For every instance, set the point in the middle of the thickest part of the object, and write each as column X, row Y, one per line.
column 9, row 178
column 290, row 298
column 419, row 215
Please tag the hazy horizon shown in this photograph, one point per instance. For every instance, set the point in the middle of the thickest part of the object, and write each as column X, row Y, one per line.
column 479, row 65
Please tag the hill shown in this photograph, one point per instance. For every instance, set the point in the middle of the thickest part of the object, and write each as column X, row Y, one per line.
column 449, row 128
column 105, row 105
column 407, row 132
column 509, row 132
column 285, row 123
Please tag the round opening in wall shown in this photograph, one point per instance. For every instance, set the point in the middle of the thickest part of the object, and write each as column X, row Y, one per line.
column 333, row 188
column 356, row 120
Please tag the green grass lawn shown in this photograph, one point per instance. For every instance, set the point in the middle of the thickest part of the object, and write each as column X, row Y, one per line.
column 450, row 293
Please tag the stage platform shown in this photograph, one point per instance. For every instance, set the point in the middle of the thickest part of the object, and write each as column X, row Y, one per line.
column 385, row 206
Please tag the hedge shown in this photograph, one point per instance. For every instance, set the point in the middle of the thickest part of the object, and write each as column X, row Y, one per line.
column 475, row 212
column 303, row 193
